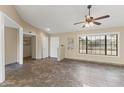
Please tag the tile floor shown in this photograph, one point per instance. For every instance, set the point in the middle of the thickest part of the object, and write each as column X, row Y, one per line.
column 67, row 73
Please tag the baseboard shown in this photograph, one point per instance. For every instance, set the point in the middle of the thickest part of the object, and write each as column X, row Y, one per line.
column 52, row 57
column 95, row 62
column 27, row 57
column 1, row 81
column 11, row 64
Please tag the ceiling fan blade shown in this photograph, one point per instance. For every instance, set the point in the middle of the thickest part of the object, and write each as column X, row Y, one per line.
column 102, row 17
column 97, row 23
column 78, row 23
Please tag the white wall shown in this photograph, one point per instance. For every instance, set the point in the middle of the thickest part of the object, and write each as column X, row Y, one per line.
column 10, row 45
column 74, row 53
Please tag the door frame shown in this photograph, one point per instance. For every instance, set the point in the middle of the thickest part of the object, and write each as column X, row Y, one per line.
column 3, row 16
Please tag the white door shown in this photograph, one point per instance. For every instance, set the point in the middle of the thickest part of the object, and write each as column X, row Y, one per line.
column 54, row 45
column 45, row 47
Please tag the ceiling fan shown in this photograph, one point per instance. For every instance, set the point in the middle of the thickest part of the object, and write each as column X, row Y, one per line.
column 90, row 21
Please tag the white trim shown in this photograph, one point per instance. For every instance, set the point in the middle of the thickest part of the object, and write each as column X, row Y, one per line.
column 2, row 51
column 6, row 16
column 31, row 34
column 20, row 45
column 106, row 33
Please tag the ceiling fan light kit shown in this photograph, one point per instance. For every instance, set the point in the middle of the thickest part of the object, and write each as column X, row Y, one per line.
column 91, row 24
column 90, row 21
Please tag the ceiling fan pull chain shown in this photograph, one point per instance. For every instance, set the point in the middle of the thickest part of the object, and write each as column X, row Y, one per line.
column 89, row 6
column 89, row 11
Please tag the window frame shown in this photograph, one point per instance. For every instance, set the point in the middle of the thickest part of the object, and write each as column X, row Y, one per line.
column 102, row 34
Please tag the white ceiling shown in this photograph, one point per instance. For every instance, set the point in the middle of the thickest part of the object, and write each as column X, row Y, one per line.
column 60, row 18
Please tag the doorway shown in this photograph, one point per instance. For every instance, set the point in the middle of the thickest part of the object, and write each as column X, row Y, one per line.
column 11, row 45
column 29, row 46
column 6, row 21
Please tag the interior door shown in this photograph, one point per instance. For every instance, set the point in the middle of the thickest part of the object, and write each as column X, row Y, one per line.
column 45, row 47
column 54, row 45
